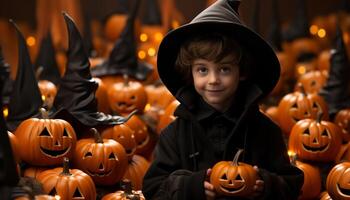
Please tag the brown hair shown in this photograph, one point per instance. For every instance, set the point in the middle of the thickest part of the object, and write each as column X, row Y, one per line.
column 213, row 47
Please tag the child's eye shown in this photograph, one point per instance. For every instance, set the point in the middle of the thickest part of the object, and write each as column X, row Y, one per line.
column 202, row 70
column 225, row 70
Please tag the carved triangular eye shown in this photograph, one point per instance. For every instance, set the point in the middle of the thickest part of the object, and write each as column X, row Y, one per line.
column 306, row 132
column 45, row 132
column 314, row 105
column 224, row 177
column 111, row 156
column 77, row 193
column 324, row 133
column 53, row 192
column 294, row 105
column 133, row 97
column 65, row 133
column 88, row 154
column 239, row 178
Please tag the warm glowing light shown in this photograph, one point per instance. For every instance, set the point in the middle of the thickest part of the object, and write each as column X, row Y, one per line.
column 142, row 54
column 57, row 197
column 151, row 52
column 5, row 112
column 175, row 24
column 158, row 37
column 321, row 33
column 143, row 37
column 147, row 107
column 31, row 41
column 291, row 153
column 43, row 97
column 301, row 69
column 313, row 29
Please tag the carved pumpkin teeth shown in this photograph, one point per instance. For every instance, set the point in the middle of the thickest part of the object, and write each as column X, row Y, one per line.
column 54, row 153
column 313, row 149
column 344, row 191
column 99, row 174
column 232, row 190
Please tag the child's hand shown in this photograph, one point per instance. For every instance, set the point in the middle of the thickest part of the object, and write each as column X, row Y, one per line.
column 259, row 185
column 209, row 188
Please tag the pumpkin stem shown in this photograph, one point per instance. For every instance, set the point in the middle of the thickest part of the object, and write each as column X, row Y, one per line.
column 65, row 170
column 127, row 186
column 44, row 113
column 235, row 159
column 97, row 136
column 38, row 72
column 126, row 79
column 301, row 89
column 319, row 116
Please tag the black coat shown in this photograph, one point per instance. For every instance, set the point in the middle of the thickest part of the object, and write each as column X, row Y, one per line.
column 186, row 150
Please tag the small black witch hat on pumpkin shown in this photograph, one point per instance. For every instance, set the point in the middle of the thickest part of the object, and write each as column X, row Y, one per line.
column 8, row 170
column 336, row 91
column 5, row 78
column 151, row 14
column 123, row 59
column 299, row 27
column 25, row 98
column 75, row 99
column 274, row 36
column 47, row 60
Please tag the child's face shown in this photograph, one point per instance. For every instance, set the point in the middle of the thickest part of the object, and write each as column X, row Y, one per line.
column 216, row 82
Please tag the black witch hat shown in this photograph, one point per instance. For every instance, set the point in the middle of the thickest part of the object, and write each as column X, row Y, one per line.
column 274, row 35
column 123, row 58
column 5, row 78
column 299, row 27
column 8, row 173
column 75, row 98
column 151, row 14
column 25, row 98
column 336, row 92
column 47, row 60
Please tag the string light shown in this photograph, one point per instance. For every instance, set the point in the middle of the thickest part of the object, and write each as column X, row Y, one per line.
column 142, row 54
column 143, row 37
column 31, row 41
column 313, row 29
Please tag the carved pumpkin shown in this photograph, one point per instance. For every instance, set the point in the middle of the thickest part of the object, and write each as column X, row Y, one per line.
column 137, row 169
column 297, row 106
column 233, row 178
column 342, row 119
column 124, row 135
column 104, row 160
column 49, row 140
column 313, row 81
column 127, row 194
column 48, row 92
column 158, row 95
column 343, row 153
column 38, row 197
column 168, row 116
column 127, row 96
column 302, row 68
column 69, row 184
column 338, row 180
column 315, row 140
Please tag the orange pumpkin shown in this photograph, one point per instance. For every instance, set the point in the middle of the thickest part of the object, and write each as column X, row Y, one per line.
column 313, row 81
column 69, row 184
column 325, row 196
column 104, row 160
column 343, row 153
column 315, row 140
column 124, row 135
column 33, row 172
column 48, row 92
column 101, row 96
column 49, row 140
column 38, row 197
column 342, row 119
column 323, row 60
column 233, row 178
column 127, row 96
column 338, row 179
column 299, row 105
column 127, row 194
column 136, row 170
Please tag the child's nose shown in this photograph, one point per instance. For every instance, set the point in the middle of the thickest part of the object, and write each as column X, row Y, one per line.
column 214, row 78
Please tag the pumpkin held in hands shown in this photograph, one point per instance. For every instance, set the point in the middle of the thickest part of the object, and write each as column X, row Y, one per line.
column 233, row 178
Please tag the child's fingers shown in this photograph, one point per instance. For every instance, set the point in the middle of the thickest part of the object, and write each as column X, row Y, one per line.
column 209, row 194
column 259, row 186
column 208, row 172
column 208, row 186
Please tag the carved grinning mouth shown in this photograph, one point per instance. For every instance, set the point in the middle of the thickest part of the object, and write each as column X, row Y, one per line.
column 313, row 149
column 343, row 190
column 99, row 174
column 54, row 153
column 232, row 190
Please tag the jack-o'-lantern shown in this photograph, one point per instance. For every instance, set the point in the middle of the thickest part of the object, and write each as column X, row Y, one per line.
column 342, row 119
column 315, row 140
column 48, row 92
column 136, row 170
column 338, row 181
column 233, row 178
column 313, row 81
column 69, row 184
column 127, row 96
column 126, row 194
column 297, row 106
column 304, row 67
column 49, row 140
column 343, row 153
column 104, row 160
column 124, row 135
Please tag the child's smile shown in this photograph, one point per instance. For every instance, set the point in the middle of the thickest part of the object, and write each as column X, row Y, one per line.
column 215, row 82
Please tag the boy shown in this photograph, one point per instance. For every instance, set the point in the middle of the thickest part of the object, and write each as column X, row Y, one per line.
column 214, row 68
